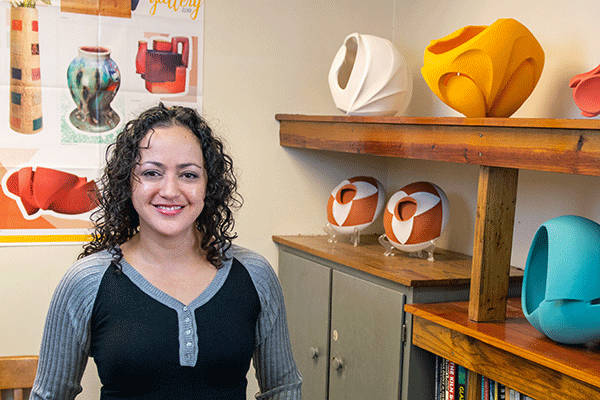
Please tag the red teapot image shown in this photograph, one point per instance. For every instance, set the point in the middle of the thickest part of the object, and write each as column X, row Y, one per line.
column 163, row 67
column 586, row 92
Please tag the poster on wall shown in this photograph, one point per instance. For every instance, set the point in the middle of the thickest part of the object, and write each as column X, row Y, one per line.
column 72, row 73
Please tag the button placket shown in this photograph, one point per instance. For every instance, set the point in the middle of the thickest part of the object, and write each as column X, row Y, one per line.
column 188, row 349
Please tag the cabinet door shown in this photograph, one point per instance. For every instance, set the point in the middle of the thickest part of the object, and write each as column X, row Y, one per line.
column 366, row 341
column 306, row 288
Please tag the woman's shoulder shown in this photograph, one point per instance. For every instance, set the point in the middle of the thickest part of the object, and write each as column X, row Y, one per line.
column 77, row 290
column 244, row 254
column 260, row 270
column 87, row 270
column 254, row 262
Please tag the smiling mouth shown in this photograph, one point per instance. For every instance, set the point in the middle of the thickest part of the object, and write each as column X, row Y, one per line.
column 169, row 208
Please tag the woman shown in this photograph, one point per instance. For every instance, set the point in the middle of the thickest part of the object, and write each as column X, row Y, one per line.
column 161, row 299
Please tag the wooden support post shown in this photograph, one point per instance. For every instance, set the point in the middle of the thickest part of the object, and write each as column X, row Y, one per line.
column 494, row 225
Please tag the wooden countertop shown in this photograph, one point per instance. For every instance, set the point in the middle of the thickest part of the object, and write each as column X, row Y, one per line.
column 448, row 269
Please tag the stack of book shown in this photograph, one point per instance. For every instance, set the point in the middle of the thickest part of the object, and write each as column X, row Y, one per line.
column 455, row 382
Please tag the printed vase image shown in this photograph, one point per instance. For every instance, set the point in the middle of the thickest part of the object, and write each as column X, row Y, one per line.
column 484, row 71
column 369, row 76
column 560, row 294
column 164, row 66
column 93, row 79
column 415, row 216
column 25, row 79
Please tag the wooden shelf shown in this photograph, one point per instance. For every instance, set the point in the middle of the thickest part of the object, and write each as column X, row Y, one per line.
column 553, row 145
column 448, row 269
column 512, row 352
column 489, row 334
column 500, row 146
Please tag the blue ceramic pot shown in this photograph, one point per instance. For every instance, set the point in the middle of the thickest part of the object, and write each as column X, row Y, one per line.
column 561, row 284
column 93, row 79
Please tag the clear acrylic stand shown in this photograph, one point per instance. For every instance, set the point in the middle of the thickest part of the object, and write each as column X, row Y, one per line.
column 333, row 236
column 387, row 245
column 391, row 250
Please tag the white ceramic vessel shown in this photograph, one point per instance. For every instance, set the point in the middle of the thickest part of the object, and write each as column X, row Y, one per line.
column 369, row 76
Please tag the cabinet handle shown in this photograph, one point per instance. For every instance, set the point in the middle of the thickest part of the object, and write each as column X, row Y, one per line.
column 337, row 364
column 314, row 352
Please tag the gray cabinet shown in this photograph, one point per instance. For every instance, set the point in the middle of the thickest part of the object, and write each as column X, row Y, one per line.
column 345, row 306
column 346, row 332
column 307, row 289
column 366, row 339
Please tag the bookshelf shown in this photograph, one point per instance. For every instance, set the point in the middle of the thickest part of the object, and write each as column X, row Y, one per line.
column 500, row 146
column 512, row 352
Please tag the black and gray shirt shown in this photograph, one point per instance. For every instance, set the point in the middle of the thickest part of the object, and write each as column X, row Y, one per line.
column 147, row 345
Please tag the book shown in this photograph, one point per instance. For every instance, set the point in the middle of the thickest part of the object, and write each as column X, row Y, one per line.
column 451, row 379
column 443, row 379
column 461, row 383
column 501, row 392
column 438, row 361
column 485, row 388
column 446, row 371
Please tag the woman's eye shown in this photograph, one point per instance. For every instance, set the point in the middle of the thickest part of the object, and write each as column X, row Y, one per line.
column 150, row 174
column 190, row 175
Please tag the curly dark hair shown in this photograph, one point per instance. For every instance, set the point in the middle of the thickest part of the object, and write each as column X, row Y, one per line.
column 116, row 220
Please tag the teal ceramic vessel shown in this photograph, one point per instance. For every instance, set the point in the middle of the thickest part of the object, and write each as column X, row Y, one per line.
column 561, row 284
column 93, row 79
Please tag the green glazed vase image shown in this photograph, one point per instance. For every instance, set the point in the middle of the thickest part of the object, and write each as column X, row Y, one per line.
column 93, row 79
column 561, row 290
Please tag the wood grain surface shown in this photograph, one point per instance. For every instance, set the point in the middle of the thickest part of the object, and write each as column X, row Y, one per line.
column 512, row 352
column 496, row 201
column 448, row 269
column 555, row 145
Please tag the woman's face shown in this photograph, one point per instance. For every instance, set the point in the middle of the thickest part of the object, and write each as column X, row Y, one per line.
column 169, row 183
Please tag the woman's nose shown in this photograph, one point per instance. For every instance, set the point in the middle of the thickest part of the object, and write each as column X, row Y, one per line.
column 169, row 187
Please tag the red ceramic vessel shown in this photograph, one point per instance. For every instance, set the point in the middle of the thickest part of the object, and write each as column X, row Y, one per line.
column 586, row 92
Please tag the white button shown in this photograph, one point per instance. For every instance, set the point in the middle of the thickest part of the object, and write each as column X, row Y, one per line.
column 185, row 308
column 189, row 344
column 188, row 332
column 187, row 320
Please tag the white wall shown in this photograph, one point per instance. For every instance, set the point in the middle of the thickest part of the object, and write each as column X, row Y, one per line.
column 261, row 58
column 566, row 32
column 264, row 57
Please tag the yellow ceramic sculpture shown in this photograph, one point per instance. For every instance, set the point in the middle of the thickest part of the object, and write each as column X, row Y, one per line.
column 484, row 71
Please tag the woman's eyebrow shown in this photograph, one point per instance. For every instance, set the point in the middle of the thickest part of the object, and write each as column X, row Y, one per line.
column 185, row 165
column 179, row 166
